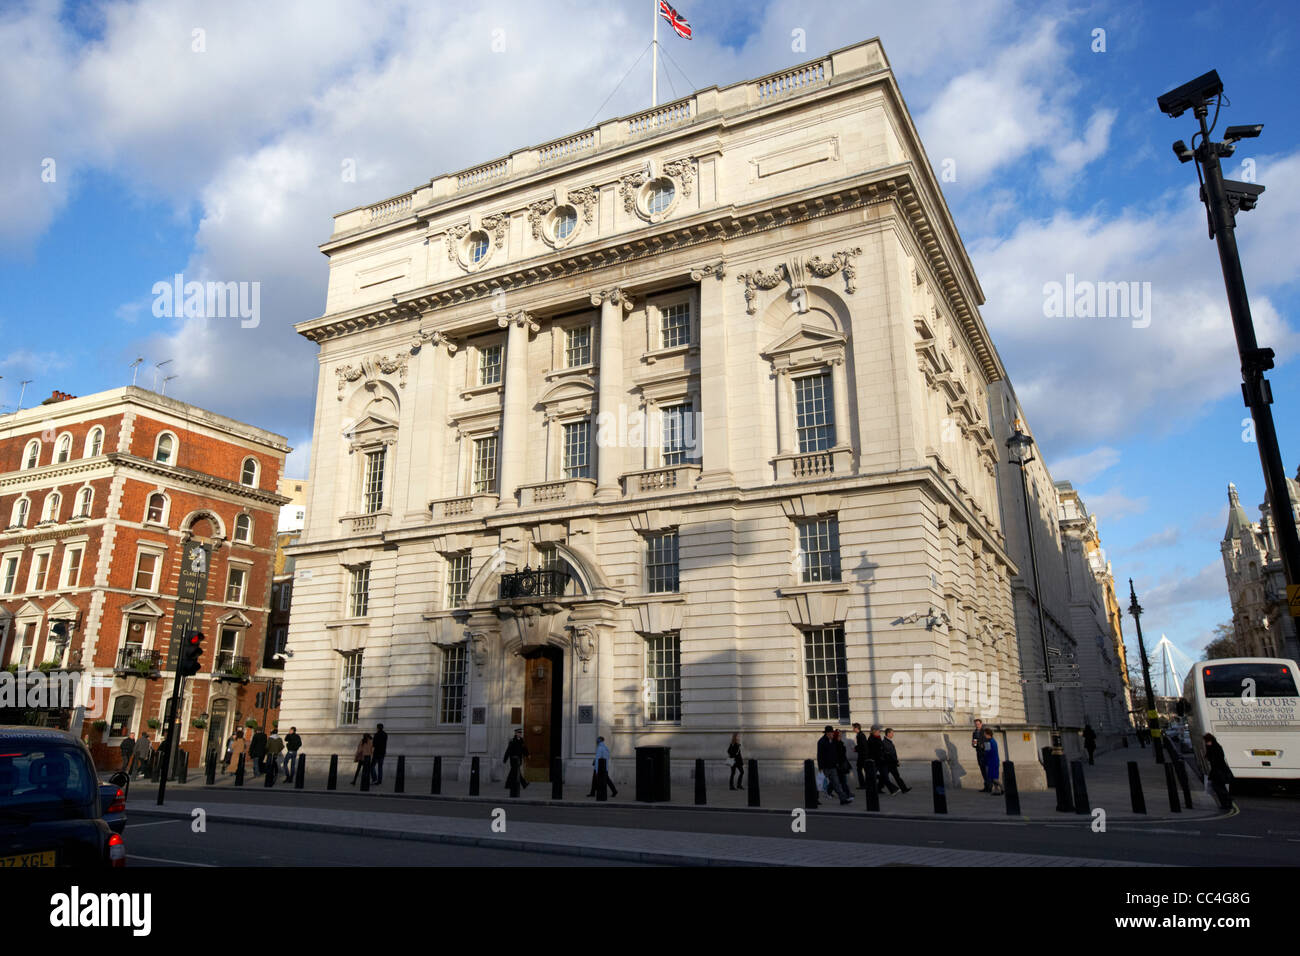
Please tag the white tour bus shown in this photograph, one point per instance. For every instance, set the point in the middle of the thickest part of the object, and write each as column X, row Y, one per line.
column 1252, row 706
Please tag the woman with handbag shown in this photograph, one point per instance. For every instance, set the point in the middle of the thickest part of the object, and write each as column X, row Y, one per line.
column 737, row 764
column 365, row 751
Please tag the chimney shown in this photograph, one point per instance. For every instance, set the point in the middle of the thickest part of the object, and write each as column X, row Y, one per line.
column 57, row 396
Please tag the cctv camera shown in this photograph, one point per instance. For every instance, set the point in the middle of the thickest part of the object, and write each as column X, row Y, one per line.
column 1234, row 133
column 1191, row 95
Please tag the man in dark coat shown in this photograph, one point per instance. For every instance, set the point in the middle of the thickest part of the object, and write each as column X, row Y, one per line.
column 977, row 741
column 516, row 751
column 257, row 752
column 828, row 760
column 128, row 748
column 381, row 748
column 876, row 752
column 860, row 749
column 1089, row 741
column 890, row 753
column 292, row 744
column 1220, row 773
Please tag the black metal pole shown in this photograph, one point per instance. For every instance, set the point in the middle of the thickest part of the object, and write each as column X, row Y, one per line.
column 700, row 797
column 332, row 783
column 1135, row 788
column 171, row 713
column 473, row 776
column 1038, row 602
column 1254, row 360
column 753, row 783
column 300, row 772
column 399, row 781
column 871, row 791
column 1010, row 790
column 1153, row 718
column 435, row 785
column 1081, row 804
column 936, row 784
column 557, row 778
column 810, row 797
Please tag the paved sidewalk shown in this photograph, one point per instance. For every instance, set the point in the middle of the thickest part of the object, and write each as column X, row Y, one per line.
column 612, row 843
column 1107, row 785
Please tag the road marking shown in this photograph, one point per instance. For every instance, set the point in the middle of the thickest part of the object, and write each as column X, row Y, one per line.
column 1241, row 836
column 154, row 859
column 158, row 823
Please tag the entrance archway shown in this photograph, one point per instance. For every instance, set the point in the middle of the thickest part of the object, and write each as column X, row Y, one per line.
column 543, row 709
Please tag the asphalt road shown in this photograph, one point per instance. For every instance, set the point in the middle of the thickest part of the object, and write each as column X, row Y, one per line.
column 172, row 843
column 1266, row 831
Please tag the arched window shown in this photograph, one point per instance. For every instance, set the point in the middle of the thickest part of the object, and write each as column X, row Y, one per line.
column 248, row 474
column 94, row 442
column 244, row 528
column 31, row 454
column 85, row 498
column 21, row 507
column 165, row 451
column 52, row 503
column 63, row 450
column 157, row 509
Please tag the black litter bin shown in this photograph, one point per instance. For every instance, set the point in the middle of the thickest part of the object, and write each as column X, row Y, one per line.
column 652, row 780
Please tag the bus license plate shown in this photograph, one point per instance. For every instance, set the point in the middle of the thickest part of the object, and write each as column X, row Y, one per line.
column 42, row 858
column 1263, row 753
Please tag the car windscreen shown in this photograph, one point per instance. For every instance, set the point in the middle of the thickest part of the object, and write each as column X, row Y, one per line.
column 1232, row 680
column 44, row 783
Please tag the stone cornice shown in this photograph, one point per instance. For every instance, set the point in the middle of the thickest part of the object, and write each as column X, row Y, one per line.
column 196, row 479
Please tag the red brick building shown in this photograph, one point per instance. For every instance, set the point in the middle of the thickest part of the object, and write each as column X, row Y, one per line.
column 97, row 497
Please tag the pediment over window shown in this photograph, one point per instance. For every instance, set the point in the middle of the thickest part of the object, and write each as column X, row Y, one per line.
column 234, row 619
column 579, row 392
column 807, row 345
column 371, row 429
column 29, row 609
column 144, row 608
column 62, row 609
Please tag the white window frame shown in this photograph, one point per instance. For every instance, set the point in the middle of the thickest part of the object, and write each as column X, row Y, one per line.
column 495, row 484
column 350, row 672
column 481, row 367
column 583, row 470
column 828, row 373
column 23, row 504
column 245, row 569
column 28, row 462
column 835, row 564
column 83, row 506
column 160, row 555
column 567, row 345
column 453, row 578
column 247, row 538
column 821, row 693
column 459, row 654
column 358, row 597
column 166, row 509
column 655, row 321
column 175, row 451
column 51, row 507
column 37, row 554
column 655, row 692
column 367, row 452
column 63, row 448
column 257, row 472
column 89, row 450
column 9, row 564
column 65, row 582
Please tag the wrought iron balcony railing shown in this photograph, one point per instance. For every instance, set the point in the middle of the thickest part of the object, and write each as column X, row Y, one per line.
column 534, row 582
column 228, row 667
column 137, row 662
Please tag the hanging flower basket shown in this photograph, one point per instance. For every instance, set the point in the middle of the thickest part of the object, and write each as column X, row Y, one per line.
column 198, row 723
column 154, row 723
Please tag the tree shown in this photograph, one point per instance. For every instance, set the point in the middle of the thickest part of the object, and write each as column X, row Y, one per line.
column 1224, row 643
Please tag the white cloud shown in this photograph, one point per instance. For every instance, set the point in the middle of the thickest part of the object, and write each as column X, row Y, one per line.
column 1079, row 470
column 1114, row 504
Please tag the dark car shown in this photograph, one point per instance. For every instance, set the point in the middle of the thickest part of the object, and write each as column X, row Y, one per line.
column 52, row 805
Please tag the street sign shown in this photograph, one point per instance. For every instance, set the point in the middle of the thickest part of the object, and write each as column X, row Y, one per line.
column 194, row 572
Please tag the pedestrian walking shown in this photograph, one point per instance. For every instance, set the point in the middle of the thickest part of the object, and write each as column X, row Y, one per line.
column 977, row 741
column 890, row 757
column 257, row 751
column 128, row 750
column 516, row 751
column 828, row 758
column 238, row 747
column 364, row 749
column 1220, row 773
column 292, row 744
column 143, row 751
column 737, row 764
column 381, row 747
column 1089, row 741
column 274, row 747
column 991, row 763
column 842, row 760
column 602, row 753
column 860, row 747
column 876, row 752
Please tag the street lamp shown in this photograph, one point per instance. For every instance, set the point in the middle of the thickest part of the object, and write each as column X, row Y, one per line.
column 1020, row 450
column 1223, row 199
column 1153, row 716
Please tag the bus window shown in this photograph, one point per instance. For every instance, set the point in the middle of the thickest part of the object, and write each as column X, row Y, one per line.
column 1271, row 680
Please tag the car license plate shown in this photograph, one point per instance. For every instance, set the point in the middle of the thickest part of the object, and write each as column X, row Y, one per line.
column 1263, row 753
column 40, row 858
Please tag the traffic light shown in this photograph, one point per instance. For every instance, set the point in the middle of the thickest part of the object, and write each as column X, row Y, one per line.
column 191, row 650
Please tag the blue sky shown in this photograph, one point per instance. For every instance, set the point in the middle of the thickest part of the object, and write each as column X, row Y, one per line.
column 217, row 154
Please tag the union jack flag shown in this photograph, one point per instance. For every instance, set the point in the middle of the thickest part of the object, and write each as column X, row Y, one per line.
column 675, row 20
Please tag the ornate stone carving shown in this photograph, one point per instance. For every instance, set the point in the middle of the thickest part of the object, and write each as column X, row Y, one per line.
column 584, row 643
column 617, row 296
column 347, row 373
column 839, row 262
column 682, row 170
column 716, row 269
column 372, row 367
column 478, row 647
column 520, row 318
column 585, row 198
column 434, row 338
column 758, row 279
column 537, row 214
column 496, row 225
column 454, row 235
column 628, row 186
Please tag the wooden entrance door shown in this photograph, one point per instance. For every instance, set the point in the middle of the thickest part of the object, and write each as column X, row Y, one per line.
column 540, row 682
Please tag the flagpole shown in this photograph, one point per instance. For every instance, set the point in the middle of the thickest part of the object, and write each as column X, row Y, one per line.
column 654, row 60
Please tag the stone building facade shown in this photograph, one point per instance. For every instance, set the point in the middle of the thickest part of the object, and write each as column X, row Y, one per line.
column 1261, row 621
column 675, row 427
column 98, row 496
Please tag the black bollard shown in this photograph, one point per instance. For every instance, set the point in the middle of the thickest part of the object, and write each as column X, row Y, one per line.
column 602, row 774
column 1081, row 804
column 365, row 775
column 473, row 777
column 399, row 782
column 557, row 778
column 1010, row 789
column 1180, row 769
column 700, row 799
column 1064, row 801
column 333, row 782
column 936, row 783
column 810, row 801
column 239, row 771
column 435, row 787
column 270, row 773
column 182, row 766
column 1172, row 784
column 512, row 780
column 155, row 766
column 300, row 772
column 871, row 793
column 1135, row 788
column 210, row 777
column 1049, row 765
column 1124, row 740
column 753, row 783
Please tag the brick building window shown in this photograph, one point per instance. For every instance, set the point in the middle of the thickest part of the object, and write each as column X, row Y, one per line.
column 94, row 442
column 146, row 571
column 157, row 509
column 244, row 528
column 248, row 473
column 236, row 583
column 31, row 454
column 165, row 450
column 86, row 497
